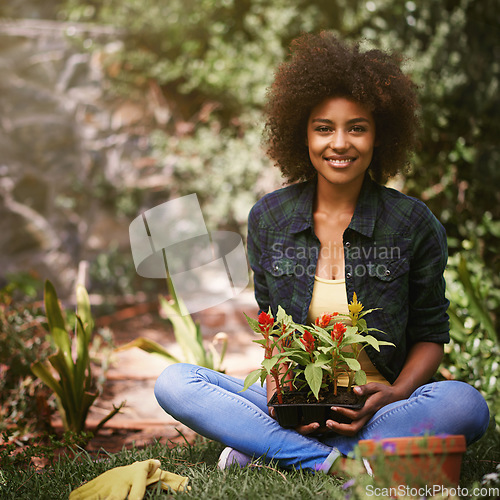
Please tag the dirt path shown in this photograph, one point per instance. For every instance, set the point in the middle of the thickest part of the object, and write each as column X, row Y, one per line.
column 133, row 373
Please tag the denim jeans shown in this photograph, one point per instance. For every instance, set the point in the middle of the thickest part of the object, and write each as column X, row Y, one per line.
column 213, row 405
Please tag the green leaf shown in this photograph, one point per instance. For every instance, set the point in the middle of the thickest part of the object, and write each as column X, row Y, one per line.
column 314, row 377
column 82, row 362
column 299, row 328
column 150, row 346
column 362, row 326
column 368, row 311
column 251, row 378
column 323, row 359
column 269, row 364
column 477, row 303
column 375, row 343
column 84, row 311
column 254, row 324
column 355, row 338
column 297, row 356
column 260, row 341
column 320, row 334
column 68, row 394
column 43, row 372
column 360, row 377
column 186, row 332
column 283, row 317
column 57, row 325
column 352, row 363
column 52, row 308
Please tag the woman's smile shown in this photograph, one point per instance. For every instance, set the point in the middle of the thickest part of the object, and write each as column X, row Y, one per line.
column 340, row 161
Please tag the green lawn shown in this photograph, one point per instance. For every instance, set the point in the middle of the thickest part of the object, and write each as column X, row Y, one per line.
column 198, row 462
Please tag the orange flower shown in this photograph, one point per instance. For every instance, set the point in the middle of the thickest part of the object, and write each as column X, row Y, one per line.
column 324, row 320
column 308, row 341
column 338, row 332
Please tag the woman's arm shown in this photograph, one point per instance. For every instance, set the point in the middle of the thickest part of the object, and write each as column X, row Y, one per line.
column 421, row 364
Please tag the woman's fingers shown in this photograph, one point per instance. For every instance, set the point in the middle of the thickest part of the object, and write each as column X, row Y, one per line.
column 347, row 429
column 307, row 429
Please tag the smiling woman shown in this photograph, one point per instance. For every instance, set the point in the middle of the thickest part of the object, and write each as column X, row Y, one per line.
column 339, row 120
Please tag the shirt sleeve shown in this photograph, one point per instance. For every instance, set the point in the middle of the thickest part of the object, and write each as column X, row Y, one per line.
column 428, row 318
column 254, row 256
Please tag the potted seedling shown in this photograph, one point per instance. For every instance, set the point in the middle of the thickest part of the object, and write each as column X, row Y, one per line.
column 306, row 363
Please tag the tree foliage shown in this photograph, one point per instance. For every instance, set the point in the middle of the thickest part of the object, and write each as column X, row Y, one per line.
column 213, row 60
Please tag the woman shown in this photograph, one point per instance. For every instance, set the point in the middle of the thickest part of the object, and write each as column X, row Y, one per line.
column 339, row 121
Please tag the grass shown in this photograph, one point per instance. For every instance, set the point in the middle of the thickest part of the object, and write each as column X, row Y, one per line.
column 198, row 462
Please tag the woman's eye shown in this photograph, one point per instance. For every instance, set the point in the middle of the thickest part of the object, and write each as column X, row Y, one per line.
column 323, row 129
column 357, row 129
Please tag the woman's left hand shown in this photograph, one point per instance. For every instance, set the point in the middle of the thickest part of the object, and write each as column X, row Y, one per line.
column 421, row 363
column 378, row 395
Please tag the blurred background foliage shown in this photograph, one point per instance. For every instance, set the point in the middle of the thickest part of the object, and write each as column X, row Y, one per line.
column 209, row 62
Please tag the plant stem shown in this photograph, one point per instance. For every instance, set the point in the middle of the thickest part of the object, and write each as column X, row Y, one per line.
column 275, row 375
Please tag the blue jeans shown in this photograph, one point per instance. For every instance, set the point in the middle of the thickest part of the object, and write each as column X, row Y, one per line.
column 211, row 404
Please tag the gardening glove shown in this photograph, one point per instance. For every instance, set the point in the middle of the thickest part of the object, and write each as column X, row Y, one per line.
column 169, row 481
column 119, row 483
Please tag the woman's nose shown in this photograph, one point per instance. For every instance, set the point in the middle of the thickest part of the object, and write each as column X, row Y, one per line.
column 339, row 141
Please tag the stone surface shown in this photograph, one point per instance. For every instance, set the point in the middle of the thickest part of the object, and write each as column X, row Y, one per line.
column 133, row 373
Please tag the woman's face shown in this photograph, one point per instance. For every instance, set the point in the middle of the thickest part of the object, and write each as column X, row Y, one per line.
column 340, row 138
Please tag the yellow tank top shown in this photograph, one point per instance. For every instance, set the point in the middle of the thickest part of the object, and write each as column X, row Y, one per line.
column 330, row 296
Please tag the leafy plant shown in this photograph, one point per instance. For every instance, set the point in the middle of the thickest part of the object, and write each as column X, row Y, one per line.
column 21, row 336
column 75, row 390
column 473, row 352
column 187, row 334
column 277, row 335
column 319, row 353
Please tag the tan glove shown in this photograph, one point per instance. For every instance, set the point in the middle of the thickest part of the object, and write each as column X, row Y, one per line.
column 169, row 481
column 129, row 481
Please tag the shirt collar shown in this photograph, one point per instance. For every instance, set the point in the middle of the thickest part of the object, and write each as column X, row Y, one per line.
column 303, row 212
column 365, row 214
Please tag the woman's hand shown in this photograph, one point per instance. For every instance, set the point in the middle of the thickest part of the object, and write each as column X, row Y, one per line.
column 301, row 429
column 421, row 363
column 378, row 395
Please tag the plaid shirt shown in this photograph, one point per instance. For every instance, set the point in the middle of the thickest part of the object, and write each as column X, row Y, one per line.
column 395, row 254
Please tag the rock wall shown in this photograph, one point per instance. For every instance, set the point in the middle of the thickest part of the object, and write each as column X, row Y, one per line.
column 66, row 147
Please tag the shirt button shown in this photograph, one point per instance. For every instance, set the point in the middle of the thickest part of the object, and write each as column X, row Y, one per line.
column 348, row 276
column 387, row 272
column 347, row 244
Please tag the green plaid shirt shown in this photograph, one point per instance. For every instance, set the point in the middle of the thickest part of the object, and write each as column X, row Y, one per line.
column 395, row 255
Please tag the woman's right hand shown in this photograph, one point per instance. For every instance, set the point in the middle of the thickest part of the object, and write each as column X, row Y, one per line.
column 301, row 429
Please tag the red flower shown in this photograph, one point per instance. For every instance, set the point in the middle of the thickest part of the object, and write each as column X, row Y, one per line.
column 338, row 332
column 265, row 321
column 324, row 320
column 308, row 341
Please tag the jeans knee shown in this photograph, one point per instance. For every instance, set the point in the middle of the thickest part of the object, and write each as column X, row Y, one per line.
column 169, row 384
column 467, row 403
